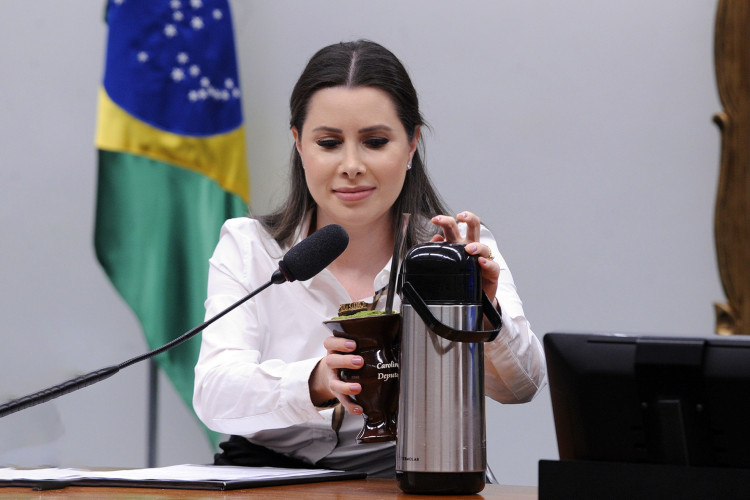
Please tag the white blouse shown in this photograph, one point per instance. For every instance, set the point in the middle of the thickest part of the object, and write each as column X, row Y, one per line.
column 252, row 375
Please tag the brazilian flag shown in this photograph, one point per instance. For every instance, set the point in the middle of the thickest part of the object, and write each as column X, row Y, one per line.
column 172, row 163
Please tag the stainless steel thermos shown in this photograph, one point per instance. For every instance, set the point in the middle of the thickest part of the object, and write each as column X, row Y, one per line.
column 441, row 418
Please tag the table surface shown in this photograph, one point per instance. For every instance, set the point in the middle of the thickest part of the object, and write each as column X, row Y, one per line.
column 359, row 489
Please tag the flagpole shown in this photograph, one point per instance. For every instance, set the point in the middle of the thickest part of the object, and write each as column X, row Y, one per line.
column 153, row 412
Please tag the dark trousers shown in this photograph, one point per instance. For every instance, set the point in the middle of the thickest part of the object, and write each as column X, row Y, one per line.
column 239, row 451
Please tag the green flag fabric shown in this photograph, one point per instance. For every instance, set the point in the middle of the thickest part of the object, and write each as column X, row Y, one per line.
column 172, row 164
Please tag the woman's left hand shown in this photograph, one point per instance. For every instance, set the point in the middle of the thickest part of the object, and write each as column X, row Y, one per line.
column 451, row 234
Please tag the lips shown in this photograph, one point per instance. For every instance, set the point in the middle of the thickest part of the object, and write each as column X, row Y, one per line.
column 356, row 193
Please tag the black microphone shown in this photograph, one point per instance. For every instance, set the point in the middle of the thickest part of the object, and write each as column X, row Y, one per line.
column 301, row 262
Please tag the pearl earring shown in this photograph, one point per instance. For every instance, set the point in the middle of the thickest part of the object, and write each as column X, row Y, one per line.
column 408, row 166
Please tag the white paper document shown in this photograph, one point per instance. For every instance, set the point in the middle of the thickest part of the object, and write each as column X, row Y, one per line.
column 187, row 473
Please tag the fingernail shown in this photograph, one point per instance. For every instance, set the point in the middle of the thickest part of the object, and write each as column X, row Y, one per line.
column 436, row 218
column 354, row 387
column 472, row 248
column 357, row 410
column 464, row 215
column 357, row 360
column 350, row 344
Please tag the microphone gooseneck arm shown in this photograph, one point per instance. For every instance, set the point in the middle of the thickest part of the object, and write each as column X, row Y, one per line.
column 96, row 376
column 275, row 280
column 303, row 261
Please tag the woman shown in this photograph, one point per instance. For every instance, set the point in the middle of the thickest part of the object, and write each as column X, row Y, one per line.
column 267, row 372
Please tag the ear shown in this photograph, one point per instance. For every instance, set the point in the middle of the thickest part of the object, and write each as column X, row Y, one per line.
column 414, row 141
column 297, row 138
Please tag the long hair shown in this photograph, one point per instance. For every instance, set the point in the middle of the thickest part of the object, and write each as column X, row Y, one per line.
column 360, row 63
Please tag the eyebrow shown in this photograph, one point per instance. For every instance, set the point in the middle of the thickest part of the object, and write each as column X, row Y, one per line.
column 374, row 128
column 361, row 131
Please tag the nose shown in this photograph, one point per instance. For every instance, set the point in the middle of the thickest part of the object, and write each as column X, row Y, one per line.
column 351, row 164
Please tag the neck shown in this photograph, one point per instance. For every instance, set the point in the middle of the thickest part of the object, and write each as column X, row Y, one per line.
column 369, row 250
column 368, row 245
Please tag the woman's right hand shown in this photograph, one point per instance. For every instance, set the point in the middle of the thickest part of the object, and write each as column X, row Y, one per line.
column 325, row 382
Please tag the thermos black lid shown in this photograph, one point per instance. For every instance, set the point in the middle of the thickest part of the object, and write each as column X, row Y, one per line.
column 442, row 273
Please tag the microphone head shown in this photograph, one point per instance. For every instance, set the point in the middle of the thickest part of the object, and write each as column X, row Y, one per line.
column 313, row 254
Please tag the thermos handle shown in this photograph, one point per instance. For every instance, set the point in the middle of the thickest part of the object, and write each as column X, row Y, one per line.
column 446, row 331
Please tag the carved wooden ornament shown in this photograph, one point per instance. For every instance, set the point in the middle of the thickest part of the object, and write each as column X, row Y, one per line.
column 732, row 215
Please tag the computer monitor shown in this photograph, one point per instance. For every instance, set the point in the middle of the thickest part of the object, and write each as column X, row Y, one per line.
column 651, row 399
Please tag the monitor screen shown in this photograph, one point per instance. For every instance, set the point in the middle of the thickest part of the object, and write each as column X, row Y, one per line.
column 650, row 399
